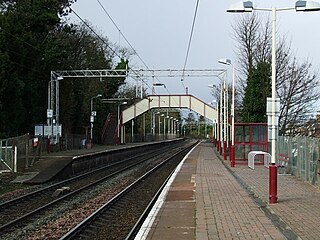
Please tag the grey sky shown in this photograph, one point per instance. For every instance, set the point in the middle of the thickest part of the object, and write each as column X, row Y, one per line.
column 159, row 30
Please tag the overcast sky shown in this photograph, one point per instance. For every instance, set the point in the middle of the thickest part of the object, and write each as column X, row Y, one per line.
column 159, row 31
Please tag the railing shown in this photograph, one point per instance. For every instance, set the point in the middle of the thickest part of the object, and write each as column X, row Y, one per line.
column 303, row 155
column 20, row 153
column 11, row 149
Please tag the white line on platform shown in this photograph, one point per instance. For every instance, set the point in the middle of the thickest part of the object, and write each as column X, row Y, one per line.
column 147, row 224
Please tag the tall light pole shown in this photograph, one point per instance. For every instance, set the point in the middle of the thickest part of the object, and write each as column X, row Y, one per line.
column 232, row 149
column 164, row 125
column 119, row 121
column 247, row 6
column 92, row 115
column 220, row 119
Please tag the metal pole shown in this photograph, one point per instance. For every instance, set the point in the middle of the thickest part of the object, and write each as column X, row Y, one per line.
column 144, row 127
column 232, row 149
column 224, row 121
column 132, row 125
column 118, row 130
column 164, row 127
column 159, row 126
column 141, row 88
column 227, row 114
column 273, row 168
column 221, row 120
column 151, row 123
column 57, row 109
column 154, row 123
column 91, row 123
column 273, row 88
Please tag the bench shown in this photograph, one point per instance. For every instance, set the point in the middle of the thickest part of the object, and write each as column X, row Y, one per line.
column 283, row 160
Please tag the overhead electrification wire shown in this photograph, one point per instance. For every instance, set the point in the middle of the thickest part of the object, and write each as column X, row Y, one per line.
column 124, row 37
column 133, row 49
column 107, row 44
column 189, row 44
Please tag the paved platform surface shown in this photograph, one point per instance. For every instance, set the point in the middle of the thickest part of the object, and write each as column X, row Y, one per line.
column 209, row 200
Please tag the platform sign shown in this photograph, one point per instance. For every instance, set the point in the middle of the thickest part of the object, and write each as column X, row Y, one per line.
column 49, row 113
column 276, row 117
column 46, row 130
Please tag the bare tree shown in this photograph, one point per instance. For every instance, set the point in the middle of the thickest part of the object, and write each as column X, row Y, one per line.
column 298, row 91
column 297, row 86
column 253, row 44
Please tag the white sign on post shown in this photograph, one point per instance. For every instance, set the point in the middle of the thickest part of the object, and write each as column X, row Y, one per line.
column 276, row 117
column 49, row 113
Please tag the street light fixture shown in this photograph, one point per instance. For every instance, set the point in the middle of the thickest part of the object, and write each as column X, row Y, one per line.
column 92, row 115
column 232, row 149
column 157, row 84
column 247, row 6
column 307, row 6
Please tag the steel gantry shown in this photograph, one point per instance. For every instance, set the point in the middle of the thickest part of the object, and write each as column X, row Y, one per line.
column 53, row 115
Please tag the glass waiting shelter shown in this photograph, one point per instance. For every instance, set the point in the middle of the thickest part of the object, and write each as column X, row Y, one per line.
column 250, row 137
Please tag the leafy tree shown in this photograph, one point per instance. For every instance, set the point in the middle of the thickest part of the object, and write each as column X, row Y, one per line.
column 34, row 41
column 25, row 25
column 256, row 92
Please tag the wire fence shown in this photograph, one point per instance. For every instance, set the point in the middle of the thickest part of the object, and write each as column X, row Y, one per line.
column 303, row 157
column 19, row 153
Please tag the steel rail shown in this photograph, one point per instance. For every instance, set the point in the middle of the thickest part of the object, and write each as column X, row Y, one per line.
column 64, row 197
column 73, row 233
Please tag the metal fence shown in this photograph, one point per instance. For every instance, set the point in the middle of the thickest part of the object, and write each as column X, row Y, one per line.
column 10, row 151
column 20, row 153
column 303, row 155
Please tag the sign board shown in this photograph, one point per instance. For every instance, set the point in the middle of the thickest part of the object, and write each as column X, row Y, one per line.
column 91, row 119
column 269, row 106
column 46, row 130
column 49, row 113
column 94, row 113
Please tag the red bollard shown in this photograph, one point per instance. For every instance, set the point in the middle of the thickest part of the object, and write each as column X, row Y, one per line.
column 225, row 150
column 232, row 156
column 273, row 174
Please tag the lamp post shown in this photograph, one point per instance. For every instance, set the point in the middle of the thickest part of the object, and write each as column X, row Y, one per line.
column 168, row 132
column 92, row 115
column 159, row 115
column 53, row 116
column 171, row 124
column 220, row 120
column 119, row 121
column 232, row 149
column 247, row 6
column 164, row 125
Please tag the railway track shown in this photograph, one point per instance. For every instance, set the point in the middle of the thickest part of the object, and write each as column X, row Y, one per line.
column 19, row 212
column 122, row 216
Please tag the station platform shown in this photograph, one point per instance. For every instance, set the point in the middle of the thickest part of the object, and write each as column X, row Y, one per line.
column 207, row 199
column 50, row 164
